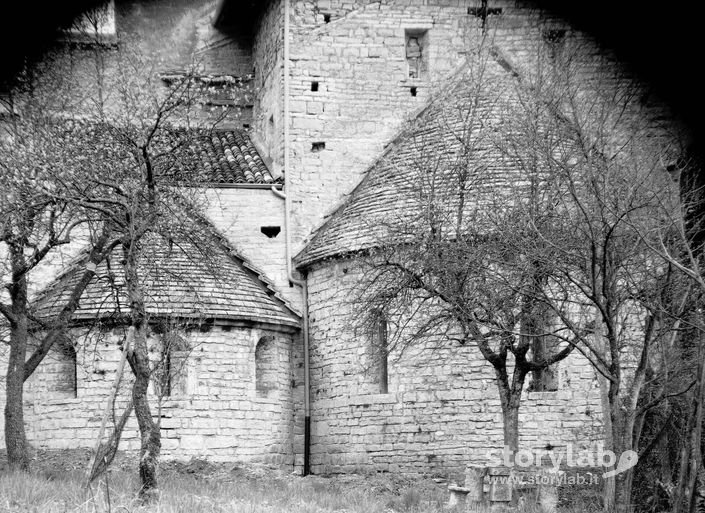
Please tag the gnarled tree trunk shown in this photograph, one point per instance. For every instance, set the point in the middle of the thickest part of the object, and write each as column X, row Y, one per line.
column 139, row 362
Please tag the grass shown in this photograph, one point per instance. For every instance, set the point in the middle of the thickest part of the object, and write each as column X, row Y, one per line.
column 55, row 486
column 200, row 487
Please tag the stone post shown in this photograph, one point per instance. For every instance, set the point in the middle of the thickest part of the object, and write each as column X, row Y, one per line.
column 548, row 490
column 475, row 484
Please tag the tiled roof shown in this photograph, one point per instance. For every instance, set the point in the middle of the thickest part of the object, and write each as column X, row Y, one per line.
column 224, row 157
column 188, row 155
column 192, row 279
column 387, row 199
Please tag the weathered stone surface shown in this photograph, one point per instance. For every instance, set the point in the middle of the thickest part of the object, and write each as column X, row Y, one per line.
column 442, row 410
column 218, row 415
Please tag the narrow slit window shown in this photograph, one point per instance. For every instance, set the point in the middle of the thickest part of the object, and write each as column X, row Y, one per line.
column 314, row 86
column 380, row 348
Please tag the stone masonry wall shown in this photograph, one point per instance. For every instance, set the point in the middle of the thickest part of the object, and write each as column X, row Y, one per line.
column 442, row 409
column 363, row 90
column 350, row 87
column 268, row 53
column 217, row 414
column 240, row 214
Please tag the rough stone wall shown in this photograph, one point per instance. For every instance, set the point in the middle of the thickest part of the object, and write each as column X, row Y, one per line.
column 240, row 214
column 364, row 92
column 442, row 410
column 268, row 55
column 350, row 89
column 218, row 416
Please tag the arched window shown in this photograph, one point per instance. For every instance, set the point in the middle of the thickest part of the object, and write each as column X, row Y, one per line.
column 265, row 366
column 65, row 369
column 175, row 352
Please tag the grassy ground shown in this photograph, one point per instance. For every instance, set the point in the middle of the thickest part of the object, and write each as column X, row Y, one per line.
column 55, row 486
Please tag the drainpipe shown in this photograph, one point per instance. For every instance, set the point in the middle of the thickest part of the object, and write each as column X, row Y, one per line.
column 286, row 196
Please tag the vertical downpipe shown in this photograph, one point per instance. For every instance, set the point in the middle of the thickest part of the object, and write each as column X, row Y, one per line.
column 286, row 196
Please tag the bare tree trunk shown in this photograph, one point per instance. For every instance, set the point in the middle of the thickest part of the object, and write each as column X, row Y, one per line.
column 690, row 454
column 623, row 481
column 510, row 399
column 510, row 413
column 139, row 362
column 15, row 437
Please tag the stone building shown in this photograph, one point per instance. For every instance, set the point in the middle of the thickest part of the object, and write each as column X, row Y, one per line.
column 271, row 366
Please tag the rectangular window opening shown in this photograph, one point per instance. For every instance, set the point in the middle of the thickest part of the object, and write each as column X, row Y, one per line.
column 318, row 146
column 413, row 91
column 326, row 18
column 314, row 86
column 416, row 52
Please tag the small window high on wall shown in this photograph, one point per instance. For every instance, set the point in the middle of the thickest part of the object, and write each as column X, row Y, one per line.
column 265, row 366
column 416, row 42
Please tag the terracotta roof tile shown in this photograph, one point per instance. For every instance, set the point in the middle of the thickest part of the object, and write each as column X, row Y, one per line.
column 223, row 157
column 195, row 156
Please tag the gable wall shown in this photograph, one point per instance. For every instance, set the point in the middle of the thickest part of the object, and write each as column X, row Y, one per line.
column 220, row 416
column 239, row 214
column 442, row 410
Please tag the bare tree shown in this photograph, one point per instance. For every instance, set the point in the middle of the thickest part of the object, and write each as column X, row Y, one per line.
column 678, row 241
column 444, row 263
column 517, row 233
column 114, row 156
column 39, row 159
column 586, row 134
